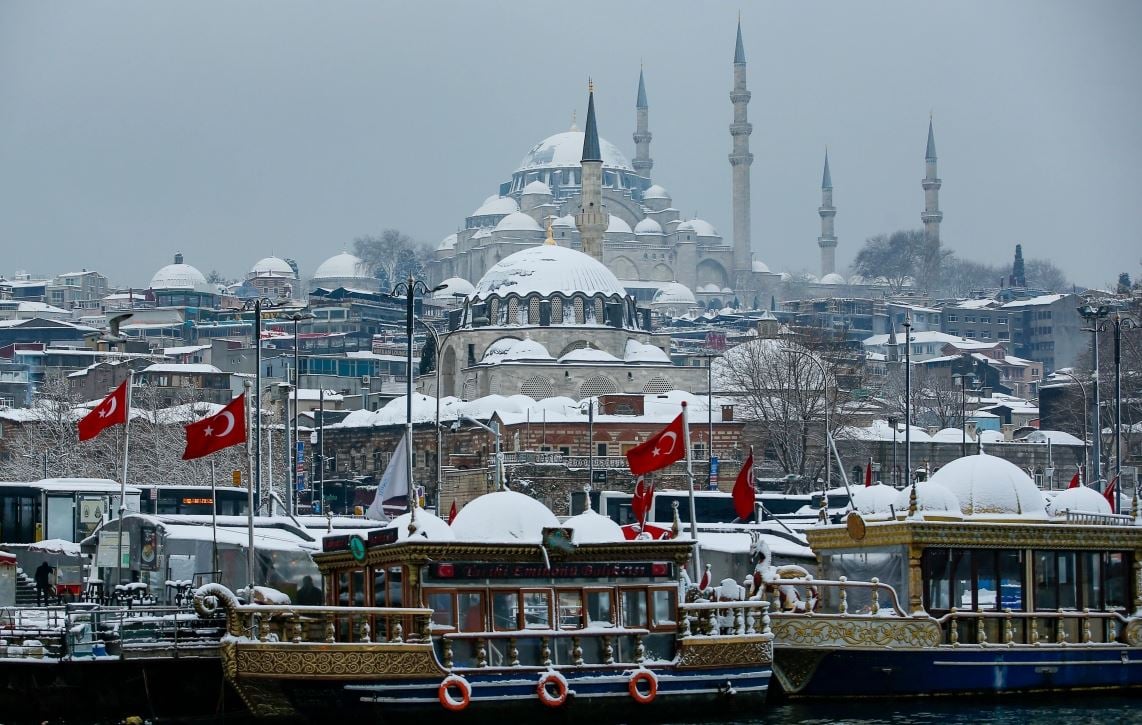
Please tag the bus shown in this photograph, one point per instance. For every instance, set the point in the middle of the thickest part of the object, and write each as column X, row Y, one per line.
column 58, row 508
column 163, row 499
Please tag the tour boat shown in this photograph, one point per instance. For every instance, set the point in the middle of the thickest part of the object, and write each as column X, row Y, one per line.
column 506, row 612
column 967, row 583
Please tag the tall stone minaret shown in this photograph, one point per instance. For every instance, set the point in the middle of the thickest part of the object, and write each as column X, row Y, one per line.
column 932, row 214
column 740, row 160
column 642, row 161
column 828, row 239
column 591, row 219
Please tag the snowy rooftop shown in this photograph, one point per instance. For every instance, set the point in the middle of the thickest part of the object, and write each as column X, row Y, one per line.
column 547, row 269
column 564, row 150
column 1035, row 301
column 181, row 368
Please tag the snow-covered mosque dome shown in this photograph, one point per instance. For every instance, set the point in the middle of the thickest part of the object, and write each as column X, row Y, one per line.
column 588, row 355
column 448, row 242
column 564, row 221
column 674, row 293
column 590, row 527
column 875, row 499
column 518, row 222
column 654, row 191
column 699, row 227
column 341, row 265
column 760, row 266
column 179, row 276
column 949, row 435
column 548, row 269
column 537, row 188
column 617, row 226
column 647, row 226
column 428, row 526
column 832, row 278
column 453, row 286
column 990, row 486
column 272, row 267
column 527, row 349
column 503, row 516
column 496, row 205
column 640, row 352
column 1079, row 498
column 566, row 149
column 932, row 500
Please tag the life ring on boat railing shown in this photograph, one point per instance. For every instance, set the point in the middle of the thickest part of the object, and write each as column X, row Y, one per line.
column 445, row 697
column 545, row 695
column 643, row 698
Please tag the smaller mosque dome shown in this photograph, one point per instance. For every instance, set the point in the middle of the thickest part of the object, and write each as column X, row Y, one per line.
column 503, row 516
column 949, row 435
column 703, row 228
column 655, row 192
column 1080, row 498
column 538, row 188
column 589, row 355
column 618, row 226
column 875, row 499
column 342, row 266
column 648, row 226
column 674, row 293
column 518, row 222
column 990, row 486
column 931, row 498
column 496, row 204
column 832, row 278
column 428, row 526
column 856, row 279
column 564, row 221
column 990, row 436
column 786, row 276
column 180, row 276
column 760, row 266
column 640, row 352
column 527, row 349
column 453, row 286
column 448, row 242
column 272, row 267
column 590, row 527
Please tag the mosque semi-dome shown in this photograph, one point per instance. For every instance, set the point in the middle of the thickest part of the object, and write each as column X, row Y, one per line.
column 181, row 276
column 342, row 266
column 547, row 269
column 272, row 267
column 654, row 191
column 566, row 149
column 518, row 222
column 618, row 226
column 648, row 226
column 760, row 266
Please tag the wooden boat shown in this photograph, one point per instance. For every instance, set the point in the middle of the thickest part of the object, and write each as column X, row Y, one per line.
column 507, row 612
column 969, row 584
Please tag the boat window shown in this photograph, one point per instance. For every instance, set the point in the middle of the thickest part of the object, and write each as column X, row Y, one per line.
column 378, row 587
column 358, row 583
column 935, row 566
column 1010, row 580
column 537, row 610
column 570, row 609
column 1092, row 578
column 470, row 608
column 986, row 582
column 600, row 607
column 633, row 602
column 961, row 581
column 505, row 610
column 443, row 609
column 973, row 579
column 396, row 597
column 889, row 565
column 1116, row 569
column 1046, row 580
column 343, row 588
column 663, row 606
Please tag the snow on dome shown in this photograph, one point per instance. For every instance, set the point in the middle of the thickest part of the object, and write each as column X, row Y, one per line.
column 537, row 187
column 648, row 226
column 483, row 408
column 527, row 349
column 180, row 276
column 686, row 226
column 832, row 278
column 702, row 228
column 760, row 266
column 588, row 354
column 428, row 526
column 564, row 150
column 517, row 221
column 496, row 204
column 641, row 352
column 448, row 242
column 272, row 267
column 590, row 527
column 423, row 410
column 656, row 192
column 453, row 286
column 786, row 276
column 618, row 226
column 497, row 350
column 875, row 499
column 949, row 435
column 991, row 436
column 503, row 516
column 1082, row 499
column 710, row 288
column 990, row 486
column 932, row 498
column 564, row 221
column 342, row 266
column 674, row 293
column 547, row 269
column 481, row 233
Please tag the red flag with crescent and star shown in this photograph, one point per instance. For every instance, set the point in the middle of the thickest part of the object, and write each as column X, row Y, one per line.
column 662, row 449
column 642, row 499
column 743, row 493
column 112, row 410
column 227, row 428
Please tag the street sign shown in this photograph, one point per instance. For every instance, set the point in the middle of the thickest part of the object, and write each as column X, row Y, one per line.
column 300, row 454
column 301, row 482
column 713, row 483
column 599, row 476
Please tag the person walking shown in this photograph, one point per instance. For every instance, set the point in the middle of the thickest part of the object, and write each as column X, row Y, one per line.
column 45, row 591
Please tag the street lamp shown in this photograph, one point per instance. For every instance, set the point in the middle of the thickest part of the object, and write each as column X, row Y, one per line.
column 495, row 432
column 709, row 355
column 292, row 457
column 1086, row 413
column 963, row 379
column 892, row 421
column 1093, row 314
column 825, row 392
column 438, row 343
column 1119, row 323
column 908, row 401
column 258, row 304
column 408, row 290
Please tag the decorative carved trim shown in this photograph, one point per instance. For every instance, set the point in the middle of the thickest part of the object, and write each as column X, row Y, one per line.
column 822, row 631
column 705, row 652
column 979, row 534
column 285, row 660
column 794, row 668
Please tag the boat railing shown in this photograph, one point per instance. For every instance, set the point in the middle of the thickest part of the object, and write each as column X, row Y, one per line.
column 728, row 618
column 543, row 648
column 1044, row 627
column 809, row 598
column 1098, row 519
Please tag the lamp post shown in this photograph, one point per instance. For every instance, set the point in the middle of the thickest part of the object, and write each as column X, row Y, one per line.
column 1119, row 323
column 258, row 304
column 1086, row 430
column 709, row 355
column 496, row 462
column 892, row 421
column 438, row 343
column 408, row 290
column 825, row 392
column 962, row 379
column 295, row 318
column 1093, row 314
column 908, row 400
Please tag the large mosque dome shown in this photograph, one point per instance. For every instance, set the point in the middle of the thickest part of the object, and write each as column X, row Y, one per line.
column 272, row 267
column 181, row 276
column 990, row 486
column 548, row 269
column 341, row 266
column 566, row 149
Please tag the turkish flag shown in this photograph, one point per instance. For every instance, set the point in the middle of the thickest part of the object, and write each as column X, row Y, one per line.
column 452, row 513
column 868, row 473
column 660, row 450
column 643, row 498
column 1074, row 480
column 227, row 428
column 1110, row 493
column 743, row 494
column 111, row 411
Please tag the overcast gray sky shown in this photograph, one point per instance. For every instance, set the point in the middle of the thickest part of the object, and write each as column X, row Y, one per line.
column 233, row 130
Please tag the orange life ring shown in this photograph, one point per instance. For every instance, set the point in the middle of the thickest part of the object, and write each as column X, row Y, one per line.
column 651, row 684
column 445, row 697
column 545, row 695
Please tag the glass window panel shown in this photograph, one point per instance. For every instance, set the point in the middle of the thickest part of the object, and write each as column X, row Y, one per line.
column 443, row 612
column 1092, row 579
column 570, row 610
column 470, row 608
column 986, row 586
column 378, row 587
column 1046, row 580
column 536, row 610
column 600, row 612
column 936, row 562
column 359, row 588
column 396, row 597
column 663, row 606
column 505, row 610
column 1010, row 580
column 1068, row 580
column 343, row 588
column 961, row 579
column 634, row 607
column 1115, row 571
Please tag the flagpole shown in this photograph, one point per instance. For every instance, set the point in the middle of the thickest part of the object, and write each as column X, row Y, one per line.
column 690, row 477
column 249, row 503
column 214, row 525
column 123, row 481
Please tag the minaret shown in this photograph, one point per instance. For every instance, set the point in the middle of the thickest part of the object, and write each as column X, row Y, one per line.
column 828, row 240
column 591, row 219
column 642, row 162
column 740, row 161
column 932, row 214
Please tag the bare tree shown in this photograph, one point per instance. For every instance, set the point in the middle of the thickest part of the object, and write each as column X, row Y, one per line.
column 904, row 255
column 935, row 399
column 392, row 256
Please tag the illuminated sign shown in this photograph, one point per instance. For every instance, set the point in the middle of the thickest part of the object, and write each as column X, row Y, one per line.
column 187, row 501
column 531, row 570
